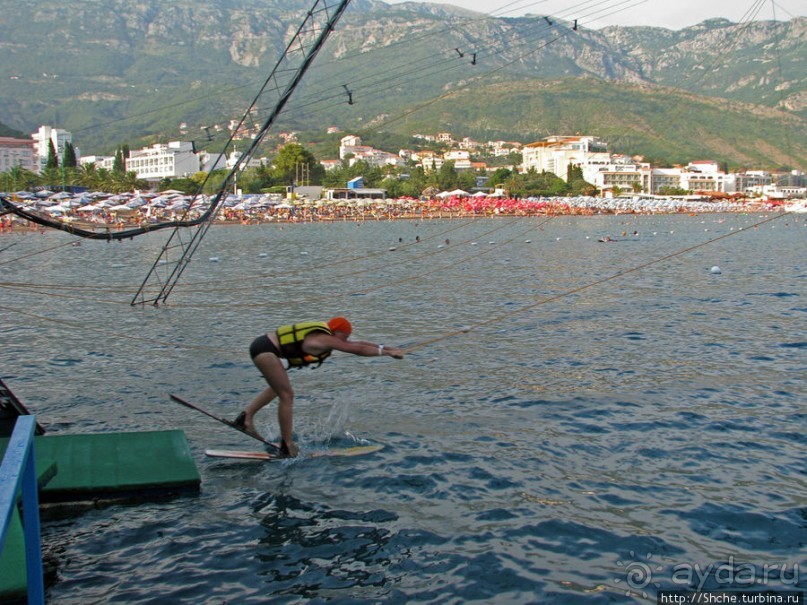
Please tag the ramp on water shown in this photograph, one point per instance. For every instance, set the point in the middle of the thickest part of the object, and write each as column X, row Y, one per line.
column 76, row 469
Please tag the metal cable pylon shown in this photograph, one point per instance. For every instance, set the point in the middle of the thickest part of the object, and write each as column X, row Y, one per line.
column 277, row 90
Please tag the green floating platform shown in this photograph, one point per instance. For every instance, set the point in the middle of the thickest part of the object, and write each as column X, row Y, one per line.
column 117, row 465
column 13, row 580
column 13, row 576
column 98, row 467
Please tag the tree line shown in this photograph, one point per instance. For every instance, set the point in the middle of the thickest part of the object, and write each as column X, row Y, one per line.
column 293, row 166
column 68, row 173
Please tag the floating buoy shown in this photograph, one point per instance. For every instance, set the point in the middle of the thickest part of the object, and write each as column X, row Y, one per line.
column 716, row 270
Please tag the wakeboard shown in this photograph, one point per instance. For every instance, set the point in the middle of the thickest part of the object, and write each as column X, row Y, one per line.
column 272, row 446
column 358, row 450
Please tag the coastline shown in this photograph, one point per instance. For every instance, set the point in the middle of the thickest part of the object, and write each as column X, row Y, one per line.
column 253, row 211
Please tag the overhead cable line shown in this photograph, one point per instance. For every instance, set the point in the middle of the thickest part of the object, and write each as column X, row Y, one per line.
column 317, row 97
column 422, row 344
column 555, row 297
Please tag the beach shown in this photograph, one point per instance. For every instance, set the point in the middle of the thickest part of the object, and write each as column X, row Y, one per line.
column 104, row 212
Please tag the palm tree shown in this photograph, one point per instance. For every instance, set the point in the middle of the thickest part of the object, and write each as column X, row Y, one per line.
column 18, row 179
column 127, row 181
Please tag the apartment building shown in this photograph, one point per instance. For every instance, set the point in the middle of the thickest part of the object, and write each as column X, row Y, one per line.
column 107, row 162
column 351, row 147
column 555, row 154
column 17, row 153
column 42, row 139
column 460, row 157
column 175, row 159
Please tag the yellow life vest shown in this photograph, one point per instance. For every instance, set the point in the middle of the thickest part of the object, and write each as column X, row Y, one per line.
column 291, row 339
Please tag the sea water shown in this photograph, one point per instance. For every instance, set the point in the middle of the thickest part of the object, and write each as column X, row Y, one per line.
column 575, row 421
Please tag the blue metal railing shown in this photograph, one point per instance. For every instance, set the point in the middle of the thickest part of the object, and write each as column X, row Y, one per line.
column 18, row 469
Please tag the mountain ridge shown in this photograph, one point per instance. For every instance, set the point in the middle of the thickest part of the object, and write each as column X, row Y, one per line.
column 112, row 72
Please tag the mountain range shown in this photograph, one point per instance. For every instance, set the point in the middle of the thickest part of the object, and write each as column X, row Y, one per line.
column 115, row 72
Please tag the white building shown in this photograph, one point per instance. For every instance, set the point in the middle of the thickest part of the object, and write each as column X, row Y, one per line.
column 43, row 137
column 351, row 146
column 620, row 175
column 753, row 180
column 779, row 192
column 503, row 148
column 329, row 165
column 469, row 143
column 460, row 157
column 430, row 160
column 176, row 159
column 17, row 152
column 555, row 154
column 107, row 162
column 208, row 162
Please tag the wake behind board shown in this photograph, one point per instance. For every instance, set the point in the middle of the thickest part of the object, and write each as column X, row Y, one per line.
column 359, row 450
column 232, row 425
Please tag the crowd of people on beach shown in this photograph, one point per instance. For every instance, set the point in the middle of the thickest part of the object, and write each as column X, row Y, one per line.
column 100, row 210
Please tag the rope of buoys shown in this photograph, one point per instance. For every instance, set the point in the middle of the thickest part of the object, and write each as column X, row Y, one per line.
column 174, row 345
column 555, row 297
column 440, row 268
column 62, row 288
column 19, row 258
column 414, row 347
column 88, row 327
column 41, row 290
column 352, row 273
column 336, row 262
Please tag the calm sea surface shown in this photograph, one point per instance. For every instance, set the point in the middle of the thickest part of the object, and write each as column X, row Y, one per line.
column 576, row 422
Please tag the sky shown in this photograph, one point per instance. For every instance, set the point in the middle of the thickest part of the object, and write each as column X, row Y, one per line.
column 671, row 14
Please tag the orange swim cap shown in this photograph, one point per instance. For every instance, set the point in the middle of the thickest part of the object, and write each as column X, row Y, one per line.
column 340, row 324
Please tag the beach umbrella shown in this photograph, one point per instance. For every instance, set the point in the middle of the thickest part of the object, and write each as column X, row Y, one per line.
column 70, row 203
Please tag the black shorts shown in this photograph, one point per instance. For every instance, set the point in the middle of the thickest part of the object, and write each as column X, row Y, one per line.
column 262, row 344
